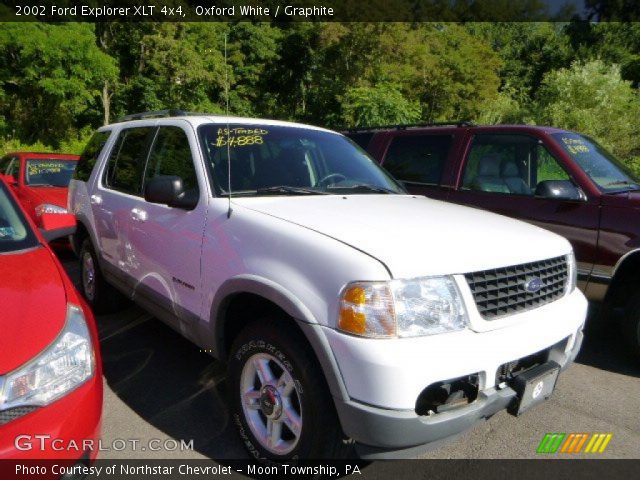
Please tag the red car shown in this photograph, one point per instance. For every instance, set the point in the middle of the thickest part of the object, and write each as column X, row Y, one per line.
column 559, row 180
column 50, row 366
column 40, row 180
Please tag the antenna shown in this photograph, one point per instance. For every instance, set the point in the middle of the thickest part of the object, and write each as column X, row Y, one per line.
column 226, row 90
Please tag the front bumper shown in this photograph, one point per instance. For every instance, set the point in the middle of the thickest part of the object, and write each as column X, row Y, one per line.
column 381, row 433
column 385, row 377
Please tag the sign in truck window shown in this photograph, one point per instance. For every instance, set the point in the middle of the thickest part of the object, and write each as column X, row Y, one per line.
column 240, row 137
column 49, row 173
column 600, row 165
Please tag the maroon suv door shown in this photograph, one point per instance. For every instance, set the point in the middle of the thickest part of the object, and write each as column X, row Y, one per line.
column 500, row 173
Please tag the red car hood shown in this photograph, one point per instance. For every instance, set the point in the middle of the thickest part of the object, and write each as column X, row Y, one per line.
column 33, row 306
column 52, row 195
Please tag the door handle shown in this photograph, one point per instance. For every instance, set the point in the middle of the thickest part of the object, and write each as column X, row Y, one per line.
column 96, row 199
column 138, row 215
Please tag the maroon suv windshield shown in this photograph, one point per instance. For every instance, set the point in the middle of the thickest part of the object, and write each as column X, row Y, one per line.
column 601, row 166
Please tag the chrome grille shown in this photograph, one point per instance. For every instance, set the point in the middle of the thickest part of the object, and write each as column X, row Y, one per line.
column 501, row 291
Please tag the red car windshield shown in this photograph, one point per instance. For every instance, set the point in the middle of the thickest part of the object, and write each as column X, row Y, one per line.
column 15, row 233
column 49, row 172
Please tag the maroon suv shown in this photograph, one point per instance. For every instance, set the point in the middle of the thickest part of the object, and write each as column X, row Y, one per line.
column 560, row 180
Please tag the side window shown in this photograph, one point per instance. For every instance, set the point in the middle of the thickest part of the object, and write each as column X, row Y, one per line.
column 90, row 155
column 510, row 164
column 362, row 139
column 418, row 158
column 127, row 159
column 501, row 163
column 548, row 167
column 10, row 166
column 171, row 155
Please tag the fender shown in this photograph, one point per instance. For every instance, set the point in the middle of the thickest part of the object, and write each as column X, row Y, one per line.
column 84, row 222
column 624, row 258
column 284, row 299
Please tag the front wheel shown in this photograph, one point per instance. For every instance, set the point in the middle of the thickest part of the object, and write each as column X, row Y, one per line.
column 279, row 399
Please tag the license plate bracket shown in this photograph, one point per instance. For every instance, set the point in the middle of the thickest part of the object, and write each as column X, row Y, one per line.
column 533, row 386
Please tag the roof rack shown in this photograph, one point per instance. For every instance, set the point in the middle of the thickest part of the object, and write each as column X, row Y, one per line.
column 457, row 123
column 158, row 114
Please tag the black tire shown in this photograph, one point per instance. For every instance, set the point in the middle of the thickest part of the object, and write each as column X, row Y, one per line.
column 320, row 433
column 104, row 298
column 631, row 324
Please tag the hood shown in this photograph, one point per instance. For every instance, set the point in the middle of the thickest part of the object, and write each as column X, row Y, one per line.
column 416, row 236
column 33, row 306
column 622, row 200
column 53, row 195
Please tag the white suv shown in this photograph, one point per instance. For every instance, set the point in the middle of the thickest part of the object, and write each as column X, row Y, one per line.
column 350, row 314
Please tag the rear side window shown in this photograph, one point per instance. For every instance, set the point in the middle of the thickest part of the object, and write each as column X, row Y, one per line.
column 10, row 166
column 418, row 158
column 171, row 155
column 90, row 155
column 127, row 160
column 361, row 139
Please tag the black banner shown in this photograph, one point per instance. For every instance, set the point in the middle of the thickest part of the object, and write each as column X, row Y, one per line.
column 380, row 470
column 318, row 10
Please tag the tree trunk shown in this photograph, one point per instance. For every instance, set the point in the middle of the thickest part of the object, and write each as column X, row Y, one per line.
column 106, row 103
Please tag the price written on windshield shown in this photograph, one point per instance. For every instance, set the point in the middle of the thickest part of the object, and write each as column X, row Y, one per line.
column 575, row 145
column 240, row 137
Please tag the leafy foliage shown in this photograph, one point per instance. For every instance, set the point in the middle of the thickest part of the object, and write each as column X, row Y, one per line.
column 58, row 82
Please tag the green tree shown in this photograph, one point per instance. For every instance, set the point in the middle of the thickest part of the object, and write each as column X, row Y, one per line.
column 51, row 76
column 379, row 105
column 592, row 98
column 528, row 50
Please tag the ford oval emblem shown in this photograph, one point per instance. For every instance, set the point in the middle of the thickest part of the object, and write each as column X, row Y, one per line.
column 533, row 285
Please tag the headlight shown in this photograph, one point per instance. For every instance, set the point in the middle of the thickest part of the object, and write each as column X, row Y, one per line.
column 572, row 273
column 63, row 366
column 402, row 308
column 48, row 208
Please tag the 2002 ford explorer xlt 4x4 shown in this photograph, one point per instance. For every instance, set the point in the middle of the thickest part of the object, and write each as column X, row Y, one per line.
column 349, row 312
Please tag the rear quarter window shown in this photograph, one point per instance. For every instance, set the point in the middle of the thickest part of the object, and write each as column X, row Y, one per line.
column 127, row 160
column 418, row 158
column 90, row 155
column 361, row 139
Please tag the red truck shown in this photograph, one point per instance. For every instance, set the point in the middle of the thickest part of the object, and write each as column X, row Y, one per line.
column 559, row 180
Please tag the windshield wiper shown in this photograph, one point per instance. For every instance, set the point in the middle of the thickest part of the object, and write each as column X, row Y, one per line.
column 288, row 190
column 364, row 187
column 624, row 183
column 621, row 182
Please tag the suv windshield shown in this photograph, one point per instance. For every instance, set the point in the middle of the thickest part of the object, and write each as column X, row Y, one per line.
column 601, row 166
column 15, row 233
column 49, row 172
column 283, row 160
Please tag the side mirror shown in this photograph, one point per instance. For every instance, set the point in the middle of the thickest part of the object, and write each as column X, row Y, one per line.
column 559, row 190
column 54, row 226
column 10, row 179
column 169, row 190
